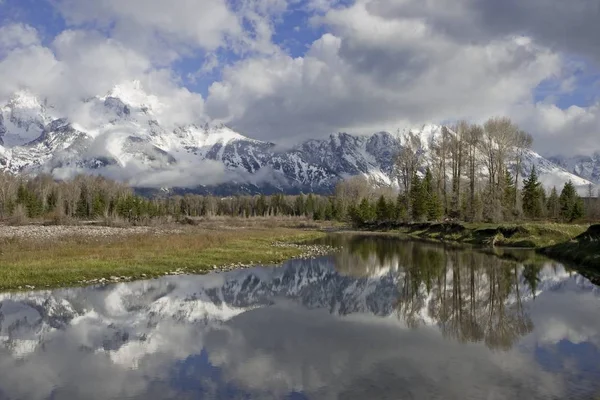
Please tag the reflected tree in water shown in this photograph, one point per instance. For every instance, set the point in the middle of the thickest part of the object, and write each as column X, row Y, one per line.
column 472, row 296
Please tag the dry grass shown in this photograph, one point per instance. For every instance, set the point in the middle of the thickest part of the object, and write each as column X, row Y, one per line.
column 67, row 260
column 260, row 222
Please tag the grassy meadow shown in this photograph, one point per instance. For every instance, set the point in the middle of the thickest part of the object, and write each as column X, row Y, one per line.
column 70, row 259
column 524, row 235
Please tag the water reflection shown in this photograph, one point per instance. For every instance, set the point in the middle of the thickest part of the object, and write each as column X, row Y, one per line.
column 470, row 295
column 381, row 319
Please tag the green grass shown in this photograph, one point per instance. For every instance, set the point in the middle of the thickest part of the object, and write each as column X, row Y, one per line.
column 67, row 261
column 584, row 250
column 525, row 235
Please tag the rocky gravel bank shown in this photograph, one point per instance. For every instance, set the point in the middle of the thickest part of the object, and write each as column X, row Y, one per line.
column 56, row 231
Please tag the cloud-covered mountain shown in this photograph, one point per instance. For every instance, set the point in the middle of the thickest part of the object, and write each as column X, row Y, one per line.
column 587, row 167
column 125, row 135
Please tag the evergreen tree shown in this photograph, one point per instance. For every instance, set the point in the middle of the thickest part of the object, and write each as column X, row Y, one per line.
column 578, row 209
column 532, row 196
column 553, row 205
column 354, row 215
column 571, row 205
column 531, row 273
column 52, row 200
column 435, row 208
column 381, row 210
column 276, row 204
column 543, row 199
column 30, row 201
column 366, row 212
column 401, row 212
column 418, row 199
column 98, row 205
column 82, row 210
column 391, row 211
column 310, row 205
column 329, row 209
column 319, row 213
column 22, row 194
column 261, row 206
column 509, row 196
column 299, row 205
column 337, row 209
column 428, row 182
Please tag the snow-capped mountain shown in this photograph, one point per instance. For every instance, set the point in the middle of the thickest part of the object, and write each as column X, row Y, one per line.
column 131, row 314
column 22, row 119
column 549, row 173
column 125, row 134
column 587, row 167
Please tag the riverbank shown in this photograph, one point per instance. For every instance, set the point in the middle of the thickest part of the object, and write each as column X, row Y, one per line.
column 583, row 250
column 522, row 235
column 570, row 243
column 46, row 257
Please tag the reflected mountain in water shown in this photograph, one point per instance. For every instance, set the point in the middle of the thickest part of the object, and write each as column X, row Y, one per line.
column 471, row 296
column 382, row 317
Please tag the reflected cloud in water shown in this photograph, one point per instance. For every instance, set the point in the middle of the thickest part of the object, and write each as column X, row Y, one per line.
column 383, row 318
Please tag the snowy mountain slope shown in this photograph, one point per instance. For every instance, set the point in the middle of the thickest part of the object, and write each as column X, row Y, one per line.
column 123, row 134
column 587, row 167
column 551, row 174
column 22, row 119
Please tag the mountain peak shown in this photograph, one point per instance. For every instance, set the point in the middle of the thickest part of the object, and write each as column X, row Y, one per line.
column 381, row 135
column 24, row 99
column 23, row 119
column 133, row 94
column 126, row 129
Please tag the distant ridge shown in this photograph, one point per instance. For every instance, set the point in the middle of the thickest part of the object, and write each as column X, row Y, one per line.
column 127, row 139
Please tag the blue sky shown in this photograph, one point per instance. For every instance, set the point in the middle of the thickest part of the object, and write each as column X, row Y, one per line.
column 290, row 69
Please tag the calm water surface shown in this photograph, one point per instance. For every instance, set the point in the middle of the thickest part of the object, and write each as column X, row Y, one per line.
column 382, row 319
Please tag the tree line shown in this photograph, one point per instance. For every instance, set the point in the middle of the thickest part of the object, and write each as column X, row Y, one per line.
column 474, row 172
column 355, row 200
column 93, row 197
column 469, row 172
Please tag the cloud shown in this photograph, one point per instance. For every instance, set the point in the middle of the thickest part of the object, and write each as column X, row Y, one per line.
column 162, row 29
column 168, row 31
column 13, row 36
column 32, row 67
column 571, row 131
column 385, row 64
column 569, row 27
column 81, row 64
column 372, row 72
column 182, row 175
column 378, row 64
column 181, row 337
column 308, row 352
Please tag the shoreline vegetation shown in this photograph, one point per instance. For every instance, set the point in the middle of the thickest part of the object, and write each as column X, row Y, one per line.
column 526, row 235
column 583, row 250
column 575, row 244
column 52, row 256
column 40, row 257
column 468, row 172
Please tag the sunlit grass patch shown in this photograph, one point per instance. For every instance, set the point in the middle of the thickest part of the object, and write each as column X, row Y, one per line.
column 68, row 260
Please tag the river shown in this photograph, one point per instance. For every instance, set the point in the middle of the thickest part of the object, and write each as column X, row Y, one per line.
column 382, row 318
